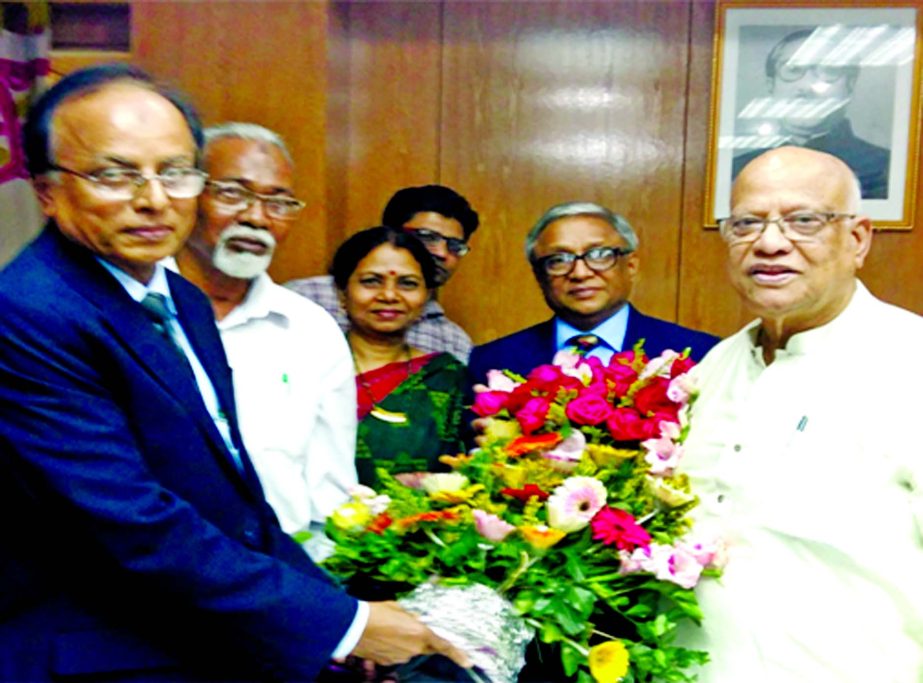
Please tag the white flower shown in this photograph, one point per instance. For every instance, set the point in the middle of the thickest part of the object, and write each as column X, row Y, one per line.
column 659, row 366
column 573, row 365
column 666, row 494
column 566, row 455
column 376, row 503
column 574, row 503
column 682, row 388
column 447, row 481
column 497, row 380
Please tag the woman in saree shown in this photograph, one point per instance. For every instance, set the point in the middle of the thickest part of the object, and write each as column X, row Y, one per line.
column 409, row 402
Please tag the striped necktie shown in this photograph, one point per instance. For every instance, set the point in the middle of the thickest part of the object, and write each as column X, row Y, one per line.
column 584, row 343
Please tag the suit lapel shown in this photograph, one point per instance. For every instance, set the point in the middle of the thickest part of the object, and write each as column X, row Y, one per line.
column 199, row 325
column 635, row 329
column 124, row 318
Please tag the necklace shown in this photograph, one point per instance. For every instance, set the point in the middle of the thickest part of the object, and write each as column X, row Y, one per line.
column 379, row 413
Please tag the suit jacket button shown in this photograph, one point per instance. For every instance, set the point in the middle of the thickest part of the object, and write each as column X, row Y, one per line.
column 251, row 538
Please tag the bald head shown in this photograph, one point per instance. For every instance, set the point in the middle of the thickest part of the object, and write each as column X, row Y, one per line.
column 796, row 170
column 795, row 281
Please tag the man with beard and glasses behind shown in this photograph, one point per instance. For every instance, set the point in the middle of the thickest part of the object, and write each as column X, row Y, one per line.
column 293, row 375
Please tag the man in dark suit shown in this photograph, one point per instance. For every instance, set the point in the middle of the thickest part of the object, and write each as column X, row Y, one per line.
column 584, row 259
column 143, row 548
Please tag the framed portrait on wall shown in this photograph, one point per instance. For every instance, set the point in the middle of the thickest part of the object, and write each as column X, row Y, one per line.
column 836, row 77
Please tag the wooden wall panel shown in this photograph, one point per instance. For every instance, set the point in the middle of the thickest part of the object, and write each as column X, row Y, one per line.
column 264, row 62
column 518, row 105
column 394, row 93
column 550, row 102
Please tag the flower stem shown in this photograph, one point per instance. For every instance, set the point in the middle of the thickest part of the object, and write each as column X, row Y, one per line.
column 524, row 563
column 537, row 625
column 434, row 538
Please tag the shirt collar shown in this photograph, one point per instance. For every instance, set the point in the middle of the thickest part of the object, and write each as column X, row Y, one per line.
column 137, row 290
column 432, row 309
column 611, row 330
column 260, row 301
column 816, row 338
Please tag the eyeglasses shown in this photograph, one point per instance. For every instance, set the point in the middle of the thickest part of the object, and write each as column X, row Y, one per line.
column 124, row 184
column 432, row 239
column 795, row 72
column 237, row 198
column 597, row 259
column 800, row 226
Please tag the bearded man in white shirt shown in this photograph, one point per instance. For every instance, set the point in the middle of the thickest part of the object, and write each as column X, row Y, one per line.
column 801, row 448
column 293, row 376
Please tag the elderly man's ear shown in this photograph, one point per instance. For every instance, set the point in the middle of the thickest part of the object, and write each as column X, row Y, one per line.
column 862, row 232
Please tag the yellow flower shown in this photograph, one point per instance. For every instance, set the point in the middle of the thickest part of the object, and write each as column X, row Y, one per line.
column 608, row 661
column 540, row 536
column 605, row 456
column 350, row 516
column 498, row 430
column 456, row 496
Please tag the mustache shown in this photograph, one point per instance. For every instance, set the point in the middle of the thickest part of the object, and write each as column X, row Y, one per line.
column 240, row 231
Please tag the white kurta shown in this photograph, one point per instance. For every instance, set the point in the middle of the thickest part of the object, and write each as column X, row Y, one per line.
column 296, row 400
column 812, row 469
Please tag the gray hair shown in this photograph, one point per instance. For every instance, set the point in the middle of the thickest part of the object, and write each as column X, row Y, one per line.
column 246, row 131
column 568, row 209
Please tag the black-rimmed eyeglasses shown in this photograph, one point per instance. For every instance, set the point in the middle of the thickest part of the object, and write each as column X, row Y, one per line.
column 597, row 259
column 431, row 238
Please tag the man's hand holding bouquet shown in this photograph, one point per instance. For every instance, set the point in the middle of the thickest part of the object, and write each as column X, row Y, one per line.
column 573, row 510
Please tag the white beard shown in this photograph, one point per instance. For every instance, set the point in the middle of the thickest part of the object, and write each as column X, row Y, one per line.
column 243, row 265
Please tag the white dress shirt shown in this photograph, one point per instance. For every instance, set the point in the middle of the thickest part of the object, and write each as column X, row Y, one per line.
column 812, row 469
column 296, row 400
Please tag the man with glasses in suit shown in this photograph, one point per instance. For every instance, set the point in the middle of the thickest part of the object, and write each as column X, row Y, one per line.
column 144, row 548
column 584, row 258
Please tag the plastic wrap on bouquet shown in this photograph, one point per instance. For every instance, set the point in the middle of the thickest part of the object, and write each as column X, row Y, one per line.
column 477, row 620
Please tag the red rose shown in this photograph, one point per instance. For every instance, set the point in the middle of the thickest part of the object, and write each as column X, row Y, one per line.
column 550, row 379
column 588, row 409
column 532, row 415
column 520, row 396
column 626, row 424
column 545, row 374
column 622, row 377
column 489, row 403
column 652, row 398
column 680, row 366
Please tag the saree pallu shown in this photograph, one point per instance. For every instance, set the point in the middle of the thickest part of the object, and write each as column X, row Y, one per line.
column 429, row 392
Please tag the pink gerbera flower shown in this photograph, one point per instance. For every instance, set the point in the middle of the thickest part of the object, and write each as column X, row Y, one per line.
column 619, row 528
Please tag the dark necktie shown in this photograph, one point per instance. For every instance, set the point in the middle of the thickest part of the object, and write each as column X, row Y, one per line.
column 584, row 343
column 155, row 306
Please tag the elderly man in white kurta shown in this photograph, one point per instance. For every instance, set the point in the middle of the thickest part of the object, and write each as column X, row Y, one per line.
column 292, row 371
column 804, row 445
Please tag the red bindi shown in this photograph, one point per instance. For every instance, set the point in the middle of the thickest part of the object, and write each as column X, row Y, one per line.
column 392, row 273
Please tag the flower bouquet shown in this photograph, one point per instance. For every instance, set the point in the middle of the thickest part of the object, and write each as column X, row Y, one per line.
column 572, row 509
